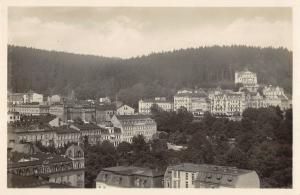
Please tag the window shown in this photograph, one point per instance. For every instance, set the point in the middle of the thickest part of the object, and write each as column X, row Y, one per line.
column 186, row 176
column 186, row 184
column 193, row 178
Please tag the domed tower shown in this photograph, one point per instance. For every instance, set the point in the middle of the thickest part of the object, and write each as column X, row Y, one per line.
column 76, row 154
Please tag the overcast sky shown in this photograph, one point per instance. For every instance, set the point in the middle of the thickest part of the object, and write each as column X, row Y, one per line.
column 127, row 32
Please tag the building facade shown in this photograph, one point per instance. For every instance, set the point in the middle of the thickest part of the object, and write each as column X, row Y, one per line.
column 86, row 113
column 161, row 102
column 248, row 79
column 188, row 175
column 29, row 109
column 133, row 125
column 104, row 112
column 125, row 110
column 195, row 101
column 68, row 169
column 228, row 103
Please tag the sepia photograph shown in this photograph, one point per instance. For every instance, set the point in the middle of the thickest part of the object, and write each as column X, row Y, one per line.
column 149, row 97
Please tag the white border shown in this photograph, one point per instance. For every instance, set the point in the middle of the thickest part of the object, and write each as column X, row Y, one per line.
column 295, row 4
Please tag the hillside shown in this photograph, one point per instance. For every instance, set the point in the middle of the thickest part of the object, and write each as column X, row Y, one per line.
column 158, row 74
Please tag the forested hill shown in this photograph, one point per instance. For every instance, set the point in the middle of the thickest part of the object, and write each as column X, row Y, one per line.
column 158, row 74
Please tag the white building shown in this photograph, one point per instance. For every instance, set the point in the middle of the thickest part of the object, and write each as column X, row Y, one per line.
column 133, row 125
column 247, row 78
column 228, row 103
column 15, row 98
column 255, row 100
column 188, row 175
column 105, row 100
column 125, row 110
column 195, row 101
column 29, row 109
column 32, row 97
column 275, row 96
column 161, row 102
column 54, row 99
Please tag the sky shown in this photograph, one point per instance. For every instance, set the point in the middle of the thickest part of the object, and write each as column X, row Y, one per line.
column 132, row 31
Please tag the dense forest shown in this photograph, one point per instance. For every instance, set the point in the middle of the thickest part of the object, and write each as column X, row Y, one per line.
column 157, row 74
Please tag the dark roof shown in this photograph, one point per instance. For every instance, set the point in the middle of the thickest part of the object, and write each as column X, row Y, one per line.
column 86, row 126
column 63, row 130
column 131, row 170
column 36, row 159
column 130, row 117
column 209, row 168
column 17, row 181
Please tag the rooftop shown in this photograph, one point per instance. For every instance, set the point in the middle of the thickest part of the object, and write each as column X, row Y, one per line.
column 24, row 160
column 209, row 168
column 131, row 170
column 17, row 181
column 132, row 117
column 200, row 95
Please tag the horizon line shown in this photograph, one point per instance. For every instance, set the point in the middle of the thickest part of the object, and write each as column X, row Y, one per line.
column 152, row 52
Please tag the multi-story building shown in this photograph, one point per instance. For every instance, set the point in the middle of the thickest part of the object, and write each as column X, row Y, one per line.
column 104, row 112
column 64, row 136
column 161, row 102
column 54, row 99
column 129, row 177
column 125, row 110
column 111, row 134
column 255, row 100
column 133, row 125
column 20, row 98
column 189, row 175
column 67, row 169
column 247, row 79
column 29, row 109
column 272, row 92
column 32, row 97
column 228, row 103
column 91, row 131
column 57, row 110
column 195, row 101
column 86, row 113
column 15, row 98
column 275, row 96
